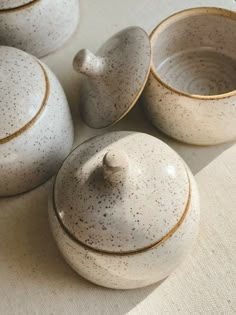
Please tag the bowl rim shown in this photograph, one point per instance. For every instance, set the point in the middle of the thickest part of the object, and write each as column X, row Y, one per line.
column 169, row 21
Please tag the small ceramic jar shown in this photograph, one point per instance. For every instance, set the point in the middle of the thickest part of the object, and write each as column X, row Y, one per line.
column 191, row 91
column 124, row 210
column 37, row 26
column 36, row 131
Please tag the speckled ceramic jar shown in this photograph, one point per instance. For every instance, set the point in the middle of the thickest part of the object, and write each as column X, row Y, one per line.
column 124, row 210
column 191, row 91
column 37, row 26
column 36, row 130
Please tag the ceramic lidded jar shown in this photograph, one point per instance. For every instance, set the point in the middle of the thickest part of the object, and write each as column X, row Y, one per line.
column 36, row 130
column 37, row 26
column 188, row 81
column 124, row 210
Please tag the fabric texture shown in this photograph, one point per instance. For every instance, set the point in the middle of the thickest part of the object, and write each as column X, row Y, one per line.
column 34, row 278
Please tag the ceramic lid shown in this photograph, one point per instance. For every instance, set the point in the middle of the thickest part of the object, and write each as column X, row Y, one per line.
column 22, row 91
column 121, row 192
column 116, row 76
column 12, row 4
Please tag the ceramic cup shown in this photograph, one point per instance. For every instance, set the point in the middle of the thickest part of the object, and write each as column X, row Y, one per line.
column 191, row 91
column 37, row 26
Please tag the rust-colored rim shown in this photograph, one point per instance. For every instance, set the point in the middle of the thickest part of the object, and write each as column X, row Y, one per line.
column 33, row 120
column 176, row 17
column 163, row 239
column 21, row 7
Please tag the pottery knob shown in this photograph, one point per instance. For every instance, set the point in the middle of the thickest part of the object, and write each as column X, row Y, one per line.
column 115, row 166
column 87, row 63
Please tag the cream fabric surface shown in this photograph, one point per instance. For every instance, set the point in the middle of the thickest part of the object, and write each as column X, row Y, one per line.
column 34, row 279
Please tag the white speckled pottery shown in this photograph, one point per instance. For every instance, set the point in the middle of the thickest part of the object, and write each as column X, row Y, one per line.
column 191, row 91
column 36, row 130
column 116, row 76
column 124, row 210
column 37, row 26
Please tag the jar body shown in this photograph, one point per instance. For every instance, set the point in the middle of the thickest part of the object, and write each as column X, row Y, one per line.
column 188, row 119
column 32, row 157
column 134, row 270
column 40, row 27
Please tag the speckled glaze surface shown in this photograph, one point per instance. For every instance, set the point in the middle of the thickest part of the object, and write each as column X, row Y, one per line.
column 38, row 27
column 36, row 130
column 23, row 89
column 10, row 4
column 191, row 91
column 115, row 76
column 124, row 210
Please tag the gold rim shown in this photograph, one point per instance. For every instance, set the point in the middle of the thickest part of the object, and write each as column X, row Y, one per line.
column 21, row 7
column 32, row 121
column 176, row 17
column 133, row 252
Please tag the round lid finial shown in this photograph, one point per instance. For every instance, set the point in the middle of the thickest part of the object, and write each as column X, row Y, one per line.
column 87, row 63
column 115, row 166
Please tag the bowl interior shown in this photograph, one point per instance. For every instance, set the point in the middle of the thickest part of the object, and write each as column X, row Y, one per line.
column 194, row 51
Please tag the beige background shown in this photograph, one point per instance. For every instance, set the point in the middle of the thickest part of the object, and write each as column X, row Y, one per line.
column 34, row 279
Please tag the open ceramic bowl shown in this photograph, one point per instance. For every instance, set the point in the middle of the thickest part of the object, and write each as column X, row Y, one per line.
column 37, row 26
column 191, row 91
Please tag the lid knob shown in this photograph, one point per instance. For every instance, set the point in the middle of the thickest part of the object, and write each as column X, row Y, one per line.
column 115, row 166
column 87, row 63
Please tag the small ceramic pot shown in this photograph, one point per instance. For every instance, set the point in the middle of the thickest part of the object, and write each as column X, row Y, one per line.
column 191, row 91
column 124, row 210
column 36, row 131
column 37, row 26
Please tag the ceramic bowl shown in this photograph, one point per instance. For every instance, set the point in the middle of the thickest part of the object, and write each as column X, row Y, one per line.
column 37, row 26
column 124, row 210
column 191, row 91
column 36, row 131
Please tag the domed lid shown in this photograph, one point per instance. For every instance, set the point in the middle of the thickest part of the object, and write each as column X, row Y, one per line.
column 23, row 91
column 12, row 4
column 121, row 192
column 116, row 76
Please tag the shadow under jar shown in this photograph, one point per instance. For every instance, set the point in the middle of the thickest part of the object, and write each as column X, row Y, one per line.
column 191, row 91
